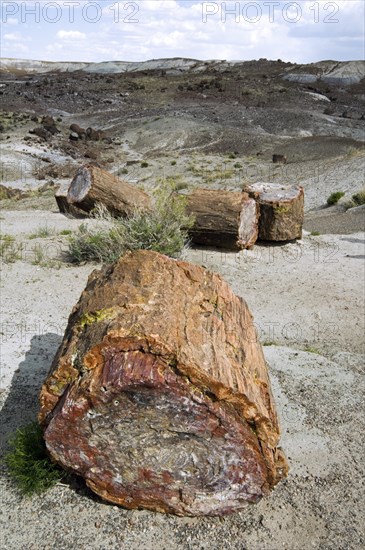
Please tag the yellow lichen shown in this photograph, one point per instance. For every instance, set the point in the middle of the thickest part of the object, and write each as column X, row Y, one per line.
column 95, row 317
column 57, row 386
column 281, row 209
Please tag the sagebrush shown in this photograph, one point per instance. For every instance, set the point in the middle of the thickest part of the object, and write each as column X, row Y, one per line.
column 164, row 230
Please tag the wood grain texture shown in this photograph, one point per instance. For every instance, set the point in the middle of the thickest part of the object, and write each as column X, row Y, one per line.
column 92, row 185
column 281, row 210
column 159, row 395
column 225, row 219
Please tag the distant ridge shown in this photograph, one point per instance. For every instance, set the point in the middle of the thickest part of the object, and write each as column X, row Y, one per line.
column 26, row 66
column 335, row 72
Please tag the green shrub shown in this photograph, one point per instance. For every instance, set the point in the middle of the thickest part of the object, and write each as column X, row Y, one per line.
column 232, row 155
column 28, row 463
column 163, row 230
column 144, row 164
column 359, row 198
column 335, row 197
column 173, row 162
column 103, row 243
column 237, row 165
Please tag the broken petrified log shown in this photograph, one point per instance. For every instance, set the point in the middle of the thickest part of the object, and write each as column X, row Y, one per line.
column 281, row 210
column 64, row 206
column 50, row 125
column 41, row 132
column 92, row 185
column 94, row 135
column 159, row 394
column 223, row 218
column 80, row 132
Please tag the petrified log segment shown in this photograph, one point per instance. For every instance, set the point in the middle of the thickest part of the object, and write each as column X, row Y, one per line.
column 159, row 395
column 64, row 206
column 76, row 129
column 281, row 210
column 223, row 218
column 92, row 185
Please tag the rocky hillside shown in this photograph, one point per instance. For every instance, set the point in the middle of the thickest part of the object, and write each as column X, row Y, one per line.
column 232, row 116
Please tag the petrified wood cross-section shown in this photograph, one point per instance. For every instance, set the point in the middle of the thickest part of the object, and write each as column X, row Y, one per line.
column 159, row 396
column 92, row 186
column 225, row 219
column 281, row 210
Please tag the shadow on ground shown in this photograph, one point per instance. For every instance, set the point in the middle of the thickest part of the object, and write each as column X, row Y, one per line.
column 21, row 404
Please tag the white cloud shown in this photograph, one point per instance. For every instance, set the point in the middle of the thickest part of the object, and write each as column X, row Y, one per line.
column 13, row 36
column 71, row 35
column 172, row 28
column 170, row 40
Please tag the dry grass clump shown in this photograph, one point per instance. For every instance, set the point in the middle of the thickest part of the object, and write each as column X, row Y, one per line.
column 163, row 230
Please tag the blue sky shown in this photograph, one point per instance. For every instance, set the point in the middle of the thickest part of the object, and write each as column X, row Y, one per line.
column 81, row 30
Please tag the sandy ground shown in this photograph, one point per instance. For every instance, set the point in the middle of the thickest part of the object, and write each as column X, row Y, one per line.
column 307, row 299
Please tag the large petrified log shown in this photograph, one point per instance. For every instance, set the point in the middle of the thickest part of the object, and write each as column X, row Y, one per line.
column 92, row 185
column 225, row 219
column 281, row 210
column 159, row 394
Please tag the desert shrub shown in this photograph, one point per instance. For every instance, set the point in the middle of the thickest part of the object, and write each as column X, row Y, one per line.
column 28, row 463
column 103, row 242
column 173, row 162
column 164, row 230
column 144, row 164
column 335, row 197
column 359, row 198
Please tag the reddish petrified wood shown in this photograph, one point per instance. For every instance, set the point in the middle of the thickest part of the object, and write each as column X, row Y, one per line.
column 159, row 395
column 226, row 219
column 281, row 210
